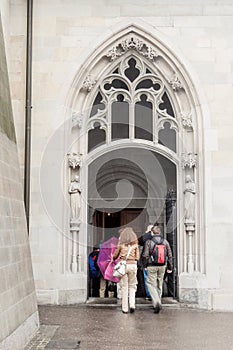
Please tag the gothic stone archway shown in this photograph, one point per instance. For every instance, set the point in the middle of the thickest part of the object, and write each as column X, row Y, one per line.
column 134, row 70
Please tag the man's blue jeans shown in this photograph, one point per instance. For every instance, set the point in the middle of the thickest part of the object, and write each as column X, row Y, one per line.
column 145, row 283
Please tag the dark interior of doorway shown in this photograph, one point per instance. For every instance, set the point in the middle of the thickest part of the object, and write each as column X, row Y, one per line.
column 107, row 224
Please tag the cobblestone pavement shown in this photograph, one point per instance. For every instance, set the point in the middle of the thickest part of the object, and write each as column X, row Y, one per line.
column 42, row 338
column 100, row 327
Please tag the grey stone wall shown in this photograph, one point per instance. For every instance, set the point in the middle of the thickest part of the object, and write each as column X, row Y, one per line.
column 18, row 309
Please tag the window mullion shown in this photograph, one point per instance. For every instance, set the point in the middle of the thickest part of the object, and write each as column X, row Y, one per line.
column 131, row 121
column 109, row 122
column 155, row 124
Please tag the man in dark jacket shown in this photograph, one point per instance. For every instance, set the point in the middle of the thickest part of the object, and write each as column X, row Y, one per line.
column 156, row 270
column 142, row 271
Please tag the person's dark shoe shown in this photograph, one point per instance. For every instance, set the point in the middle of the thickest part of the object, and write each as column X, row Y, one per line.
column 132, row 309
column 124, row 312
column 157, row 309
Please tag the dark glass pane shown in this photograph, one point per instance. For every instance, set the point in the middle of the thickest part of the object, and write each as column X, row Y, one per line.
column 116, row 71
column 146, row 84
column 120, row 119
column 166, row 104
column 132, row 72
column 97, row 104
column 143, row 119
column 96, row 137
column 167, row 137
column 117, row 84
column 148, row 71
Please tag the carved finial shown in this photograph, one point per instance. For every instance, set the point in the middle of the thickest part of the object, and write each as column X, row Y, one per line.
column 189, row 160
column 77, row 119
column 88, row 83
column 132, row 43
column 175, row 83
column 187, row 121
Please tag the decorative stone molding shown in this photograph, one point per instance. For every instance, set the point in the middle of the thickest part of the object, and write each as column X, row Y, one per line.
column 187, row 121
column 189, row 160
column 175, row 83
column 88, row 83
column 74, row 160
column 77, row 119
column 132, row 43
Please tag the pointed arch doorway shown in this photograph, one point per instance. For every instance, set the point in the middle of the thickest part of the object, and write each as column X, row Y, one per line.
column 135, row 92
column 122, row 193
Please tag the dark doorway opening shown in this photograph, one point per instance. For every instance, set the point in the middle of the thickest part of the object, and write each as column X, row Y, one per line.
column 107, row 224
column 128, row 187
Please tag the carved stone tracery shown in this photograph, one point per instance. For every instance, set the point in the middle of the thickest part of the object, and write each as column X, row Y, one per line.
column 145, row 83
column 132, row 43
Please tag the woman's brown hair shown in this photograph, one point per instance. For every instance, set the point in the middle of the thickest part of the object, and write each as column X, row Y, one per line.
column 128, row 236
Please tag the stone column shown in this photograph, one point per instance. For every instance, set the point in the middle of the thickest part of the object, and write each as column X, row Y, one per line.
column 74, row 229
column 190, row 229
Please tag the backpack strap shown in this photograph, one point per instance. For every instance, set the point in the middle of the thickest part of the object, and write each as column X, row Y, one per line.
column 151, row 247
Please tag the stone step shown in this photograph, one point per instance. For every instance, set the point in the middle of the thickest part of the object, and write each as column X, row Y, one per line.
column 140, row 302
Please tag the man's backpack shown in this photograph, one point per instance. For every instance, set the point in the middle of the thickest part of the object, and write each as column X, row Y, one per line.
column 159, row 253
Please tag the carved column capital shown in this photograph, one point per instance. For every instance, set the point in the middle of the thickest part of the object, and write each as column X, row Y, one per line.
column 189, row 226
column 74, row 160
column 189, row 160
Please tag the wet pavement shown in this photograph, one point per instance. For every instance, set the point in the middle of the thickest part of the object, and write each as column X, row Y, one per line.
column 104, row 326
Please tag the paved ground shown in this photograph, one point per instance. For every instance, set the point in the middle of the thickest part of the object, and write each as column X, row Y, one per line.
column 100, row 327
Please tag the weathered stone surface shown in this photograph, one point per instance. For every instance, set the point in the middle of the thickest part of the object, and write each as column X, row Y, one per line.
column 18, row 309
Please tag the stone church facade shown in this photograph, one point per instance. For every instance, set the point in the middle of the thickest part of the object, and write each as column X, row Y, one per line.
column 131, row 124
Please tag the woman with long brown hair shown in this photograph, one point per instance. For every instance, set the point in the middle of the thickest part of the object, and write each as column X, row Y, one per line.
column 128, row 246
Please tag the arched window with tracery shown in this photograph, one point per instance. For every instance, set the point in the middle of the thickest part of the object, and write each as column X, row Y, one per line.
column 132, row 102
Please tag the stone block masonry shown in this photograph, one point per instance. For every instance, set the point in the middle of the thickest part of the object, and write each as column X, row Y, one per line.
column 18, row 308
